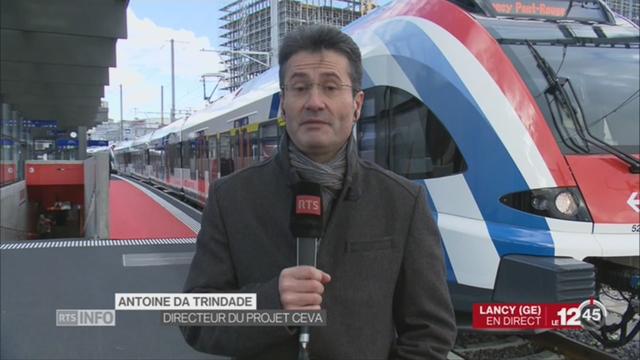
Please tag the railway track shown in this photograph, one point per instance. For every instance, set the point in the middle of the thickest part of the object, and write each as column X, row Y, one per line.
column 570, row 348
column 549, row 345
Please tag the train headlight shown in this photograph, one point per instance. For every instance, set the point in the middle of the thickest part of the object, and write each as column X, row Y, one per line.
column 557, row 203
column 566, row 203
column 539, row 203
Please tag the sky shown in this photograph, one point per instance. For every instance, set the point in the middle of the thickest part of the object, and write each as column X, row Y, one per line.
column 144, row 58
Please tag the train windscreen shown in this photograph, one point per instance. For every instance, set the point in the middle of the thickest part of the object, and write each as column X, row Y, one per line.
column 602, row 82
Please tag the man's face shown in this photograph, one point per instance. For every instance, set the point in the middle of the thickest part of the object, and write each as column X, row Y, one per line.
column 318, row 103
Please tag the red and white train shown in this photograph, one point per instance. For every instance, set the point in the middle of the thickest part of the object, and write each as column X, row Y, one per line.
column 520, row 117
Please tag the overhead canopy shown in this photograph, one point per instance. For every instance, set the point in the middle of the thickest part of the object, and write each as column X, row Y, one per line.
column 55, row 56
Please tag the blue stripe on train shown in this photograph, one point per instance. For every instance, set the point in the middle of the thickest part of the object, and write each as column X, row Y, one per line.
column 366, row 80
column 275, row 106
column 492, row 172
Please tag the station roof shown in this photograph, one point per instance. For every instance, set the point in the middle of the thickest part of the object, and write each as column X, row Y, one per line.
column 55, row 56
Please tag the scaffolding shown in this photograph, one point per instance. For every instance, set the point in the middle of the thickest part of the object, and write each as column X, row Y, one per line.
column 249, row 28
column 627, row 8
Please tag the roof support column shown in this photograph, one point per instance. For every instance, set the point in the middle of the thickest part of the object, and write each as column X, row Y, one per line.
column 82, row 142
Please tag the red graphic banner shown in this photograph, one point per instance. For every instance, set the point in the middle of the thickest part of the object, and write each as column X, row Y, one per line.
column 527, row 316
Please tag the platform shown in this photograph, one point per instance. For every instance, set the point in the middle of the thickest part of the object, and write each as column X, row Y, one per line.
column 136, row 212
column 152, row 247
column 39, row 277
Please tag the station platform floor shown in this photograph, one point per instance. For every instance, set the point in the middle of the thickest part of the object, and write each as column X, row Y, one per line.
column 150, row 250
column 151, row 247
column 135, row 212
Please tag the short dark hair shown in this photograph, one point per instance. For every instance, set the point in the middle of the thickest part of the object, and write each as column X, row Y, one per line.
column 315, row 38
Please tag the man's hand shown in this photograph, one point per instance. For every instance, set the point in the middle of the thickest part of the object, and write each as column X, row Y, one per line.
column 301, row 287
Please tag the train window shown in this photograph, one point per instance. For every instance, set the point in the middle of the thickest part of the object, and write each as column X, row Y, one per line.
column 610, row 112
column 366, row 140
column 398, row 132
column 268, row 139
column 372, row 134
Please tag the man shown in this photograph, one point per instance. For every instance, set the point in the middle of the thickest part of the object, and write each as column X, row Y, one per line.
column 380, row 272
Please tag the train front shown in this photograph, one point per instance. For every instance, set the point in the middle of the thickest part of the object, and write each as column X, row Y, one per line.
column 583, row 75
column 521, row 119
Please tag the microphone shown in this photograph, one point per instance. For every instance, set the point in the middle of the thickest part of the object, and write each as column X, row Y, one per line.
column 306, row 226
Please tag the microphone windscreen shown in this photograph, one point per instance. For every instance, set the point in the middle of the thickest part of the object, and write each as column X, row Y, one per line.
column 306, row 220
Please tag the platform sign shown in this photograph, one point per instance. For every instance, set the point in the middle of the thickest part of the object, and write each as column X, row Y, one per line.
column 6, row 142
column 45, row 124
column 66, row 144
column 8, row 123
column 97, row 143
column 56, row 133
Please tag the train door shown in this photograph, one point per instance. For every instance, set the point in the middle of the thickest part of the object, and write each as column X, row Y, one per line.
column 213, row 158
column 252, row 153
column 240, row 151
column 225, row 154
column 239, row 142
column 174, row 154
column 159, row 165
column 269, row 136
column 127, row 163
column 235, row 147
column 202, row 164
column 166, row 162
column 188, row 155
column 147, row 163
column 154, row 161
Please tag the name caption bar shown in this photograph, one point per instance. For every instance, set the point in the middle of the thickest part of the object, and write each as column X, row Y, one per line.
column 178, row 301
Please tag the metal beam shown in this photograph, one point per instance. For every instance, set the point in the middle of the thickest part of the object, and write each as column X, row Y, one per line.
column 87, row 17
column 50, row 89
column 55, row 56
column 49, row 48
column 63, row 74
column 44, row 100
column 56, row 112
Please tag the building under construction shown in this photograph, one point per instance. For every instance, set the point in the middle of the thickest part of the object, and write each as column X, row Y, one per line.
column 627, row 8
column 255, row 28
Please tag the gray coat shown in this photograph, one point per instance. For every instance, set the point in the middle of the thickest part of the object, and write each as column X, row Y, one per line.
column 388, row 296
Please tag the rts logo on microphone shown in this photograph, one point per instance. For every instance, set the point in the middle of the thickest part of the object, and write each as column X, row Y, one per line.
column 308, row 205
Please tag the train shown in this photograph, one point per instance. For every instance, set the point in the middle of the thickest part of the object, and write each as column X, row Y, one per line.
column 519, row 117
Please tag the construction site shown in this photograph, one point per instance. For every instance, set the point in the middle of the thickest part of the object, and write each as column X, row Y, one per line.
column 254, row 29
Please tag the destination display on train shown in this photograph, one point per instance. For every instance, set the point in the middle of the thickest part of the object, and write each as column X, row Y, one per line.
column 539, row 8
